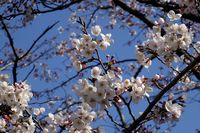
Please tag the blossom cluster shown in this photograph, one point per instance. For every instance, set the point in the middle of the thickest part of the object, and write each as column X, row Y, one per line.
column 101, row 91
column 82, row 118
column 138, row 88
column 86, row 45
column 174, row 108
column 176, row 36
column 13, row 102
column 76, row 121
column 108, row 87
column 170, row 110
column 55, row 120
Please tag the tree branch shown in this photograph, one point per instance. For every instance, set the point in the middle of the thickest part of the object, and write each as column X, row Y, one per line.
column 134, row 12
column 167, row 7
column 62, row 7
column 9, row 38
column 121, row 116
column 111, row 118
column 135, row 124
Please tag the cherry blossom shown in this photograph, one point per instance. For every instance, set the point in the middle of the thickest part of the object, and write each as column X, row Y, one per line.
column 96, row 30
column 175, row 109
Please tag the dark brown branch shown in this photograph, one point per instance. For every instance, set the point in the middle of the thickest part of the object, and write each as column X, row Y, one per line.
column 135, row 124
column 92, row 16
column 134, row 12
column 138, row 71
column 9, row 38
column 14, row 71
column 128, row 106
column 62, row 7
column 126, row 60
column 111, row 118
column 166, row 7
column 101, row 63
column 15, row 61
column 141, row 67
column 29, row 73
column 121, row 116
column 37, row 123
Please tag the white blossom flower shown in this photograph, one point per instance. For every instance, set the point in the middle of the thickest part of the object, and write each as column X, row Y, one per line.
column 95, row 72
column 175, row 109
column 90, row 89
column 81, row 112
column 104, row 44
column 91, row 100
column 42, row 109
column 36, row 111
column 88, row 118
column 127, row 82
column 50, row 118
column 173, row 16
column 93, row 45
column 87, row 52
column 104, row 104
column 100, row 94
column 4, row 77
column 76, row 43
column 147, row 90
column 165, row 1
column 96, row 30
column 142, row 59
column 87, row 129
column 107, row 38
column 110, row 93
column 87, row 38
column 111, row 74
column 161, row 21
column 137, row 94
column 101, row 84
column 77, row 64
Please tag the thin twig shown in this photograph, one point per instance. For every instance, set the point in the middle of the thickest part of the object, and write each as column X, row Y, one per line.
column 39, row 37
column 99, row 59
column 120, row 114
column 111, row 118
column 29, row 73
column 128, row 106
column 92, row 16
